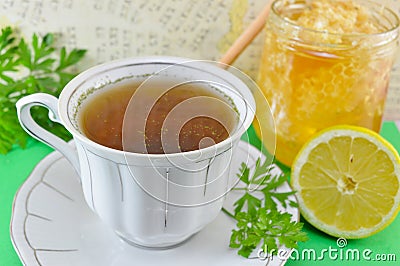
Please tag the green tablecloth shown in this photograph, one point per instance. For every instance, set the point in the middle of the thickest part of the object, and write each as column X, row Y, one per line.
column 382, row 248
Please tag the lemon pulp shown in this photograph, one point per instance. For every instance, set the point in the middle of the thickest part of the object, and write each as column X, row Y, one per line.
column 347, row 179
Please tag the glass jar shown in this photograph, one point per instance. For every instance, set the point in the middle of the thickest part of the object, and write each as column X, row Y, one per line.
column 314, row 79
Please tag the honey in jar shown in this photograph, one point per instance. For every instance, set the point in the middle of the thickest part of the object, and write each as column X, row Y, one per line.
column 324, row 63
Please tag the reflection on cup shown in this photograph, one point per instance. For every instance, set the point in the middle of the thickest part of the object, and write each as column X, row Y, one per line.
column 326, row 63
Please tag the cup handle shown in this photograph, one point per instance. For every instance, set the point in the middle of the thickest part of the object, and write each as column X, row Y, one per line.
column 24, row 106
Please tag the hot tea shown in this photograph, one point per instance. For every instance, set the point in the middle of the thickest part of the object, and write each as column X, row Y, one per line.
column 182, row 118
column 150, row 200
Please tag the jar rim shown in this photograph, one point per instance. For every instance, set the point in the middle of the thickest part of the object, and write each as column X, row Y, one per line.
column 394, row 19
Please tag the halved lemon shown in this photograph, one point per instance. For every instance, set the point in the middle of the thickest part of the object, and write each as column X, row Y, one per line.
column 347, row 181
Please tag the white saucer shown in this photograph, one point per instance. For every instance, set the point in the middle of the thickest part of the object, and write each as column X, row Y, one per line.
column 52, row 225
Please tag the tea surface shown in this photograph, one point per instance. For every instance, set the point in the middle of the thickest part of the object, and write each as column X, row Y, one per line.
column 184, row 118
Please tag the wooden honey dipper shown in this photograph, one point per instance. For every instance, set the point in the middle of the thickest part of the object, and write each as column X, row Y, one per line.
column 247, row 36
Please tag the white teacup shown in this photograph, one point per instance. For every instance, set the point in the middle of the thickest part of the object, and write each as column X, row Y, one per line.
column 151, row 200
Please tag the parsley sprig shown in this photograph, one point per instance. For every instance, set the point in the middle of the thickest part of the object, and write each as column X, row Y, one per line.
column 30, row 68
column 259, row 220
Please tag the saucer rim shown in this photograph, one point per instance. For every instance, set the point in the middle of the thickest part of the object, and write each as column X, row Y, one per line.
column 22, row 246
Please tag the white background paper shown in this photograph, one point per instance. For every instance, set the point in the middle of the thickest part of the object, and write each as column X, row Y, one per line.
column 112, row 29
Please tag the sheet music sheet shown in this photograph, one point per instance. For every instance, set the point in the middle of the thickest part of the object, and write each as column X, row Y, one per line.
column 112, row 29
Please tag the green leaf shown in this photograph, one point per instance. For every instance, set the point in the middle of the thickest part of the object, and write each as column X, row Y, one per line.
column 10, row 131
column 245, row 251
column 47, row 84
column 35, row 45
column 6, row 79
column 248, row 200
column 48, row 39
column 244, row 174
column 8, row 55
column 236, row 239
column 259, row 222
column 45, row 65
column 27, row 68
column 6, row 38
column 67, row 60
column 42, row 49
column 259, row 169
column 25, row 54
column 64, row 78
